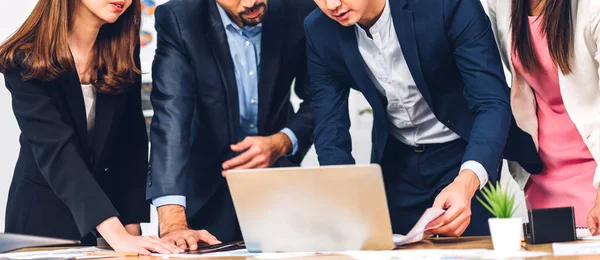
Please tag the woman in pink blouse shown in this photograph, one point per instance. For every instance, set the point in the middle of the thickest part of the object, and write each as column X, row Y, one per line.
column 551, row 48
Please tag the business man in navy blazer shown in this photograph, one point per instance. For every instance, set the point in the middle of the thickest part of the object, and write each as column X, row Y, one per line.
column 431, row 71
column 222, row 76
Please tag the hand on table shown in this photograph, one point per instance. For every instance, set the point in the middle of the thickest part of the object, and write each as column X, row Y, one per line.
column 185, row 238
column 175, row 231
column 119, row 238
column 258, row 152
column 456, row 199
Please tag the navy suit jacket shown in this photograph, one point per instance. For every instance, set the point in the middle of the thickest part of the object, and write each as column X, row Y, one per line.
column 452, row 55
column 195, row 100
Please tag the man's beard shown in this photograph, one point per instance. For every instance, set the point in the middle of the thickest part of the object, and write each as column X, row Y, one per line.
column 253, row 21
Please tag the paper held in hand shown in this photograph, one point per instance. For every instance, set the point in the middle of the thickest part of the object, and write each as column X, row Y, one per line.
column 416, row 234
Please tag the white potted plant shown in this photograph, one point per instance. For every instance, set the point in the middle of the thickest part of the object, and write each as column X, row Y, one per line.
column 505, row 230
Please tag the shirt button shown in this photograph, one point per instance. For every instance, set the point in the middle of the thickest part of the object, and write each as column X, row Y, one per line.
column 247, row 43
column 388, row 81
column 251, row 73
column 105, row 169
column 251, row 125
column 252, row 101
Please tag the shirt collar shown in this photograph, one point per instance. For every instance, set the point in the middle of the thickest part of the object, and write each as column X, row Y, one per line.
column 230, row 25
column 382, row 21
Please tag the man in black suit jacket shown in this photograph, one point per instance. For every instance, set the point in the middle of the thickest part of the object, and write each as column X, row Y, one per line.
column 221, row 97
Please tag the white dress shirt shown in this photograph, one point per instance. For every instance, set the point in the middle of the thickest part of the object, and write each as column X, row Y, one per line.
column 412, row 121
column 89, row 99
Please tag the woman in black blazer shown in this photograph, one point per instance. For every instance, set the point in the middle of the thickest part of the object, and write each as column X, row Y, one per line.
column 75, row 87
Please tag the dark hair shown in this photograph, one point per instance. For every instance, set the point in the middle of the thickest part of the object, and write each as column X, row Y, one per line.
column 556, row 25
column 39, row 48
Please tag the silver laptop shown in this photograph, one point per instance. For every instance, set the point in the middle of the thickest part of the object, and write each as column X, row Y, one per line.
column 332, row 208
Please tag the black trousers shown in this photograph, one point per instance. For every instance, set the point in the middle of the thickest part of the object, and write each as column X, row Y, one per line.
column 414, row 176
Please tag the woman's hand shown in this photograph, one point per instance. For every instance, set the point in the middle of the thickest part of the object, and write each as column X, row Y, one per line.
column 593, row 219
column 122, row 241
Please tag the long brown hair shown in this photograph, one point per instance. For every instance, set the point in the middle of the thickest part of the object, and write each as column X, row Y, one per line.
column 39, row 48
column 556, row 25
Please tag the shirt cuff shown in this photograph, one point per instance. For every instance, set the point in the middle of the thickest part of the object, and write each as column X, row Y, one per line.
column 293, row 138
column 169, row 200
column 478, row 169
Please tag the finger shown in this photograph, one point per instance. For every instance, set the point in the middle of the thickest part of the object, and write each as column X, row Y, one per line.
column 239, row 160
column 181, row 243
column 252, row 164
column 453, row 227
column 170, row 246
column 461, row 229
column 243, row 145
column 440, row 201
column 453, row 212
column 161, row 244
column 143, row 251
column 592, row 224
column 192, row 242
column 208, row 238
column 154, row 247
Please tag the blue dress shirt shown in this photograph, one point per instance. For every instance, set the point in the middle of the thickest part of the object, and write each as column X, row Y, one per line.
column 244, row 46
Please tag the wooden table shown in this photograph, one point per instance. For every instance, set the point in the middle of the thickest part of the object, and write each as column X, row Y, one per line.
column 438, row 243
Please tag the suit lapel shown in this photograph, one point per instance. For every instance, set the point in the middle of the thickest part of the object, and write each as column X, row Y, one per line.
column 106, row 107
column 74, row 96
column 357, row 67
column 272, row 39
column 217, row 39
column 405, row 30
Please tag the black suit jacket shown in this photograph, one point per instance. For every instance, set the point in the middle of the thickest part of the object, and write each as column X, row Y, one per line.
column 195, row 100
column 62, row 187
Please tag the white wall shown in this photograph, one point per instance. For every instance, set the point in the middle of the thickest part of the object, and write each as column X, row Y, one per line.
column 11, row 17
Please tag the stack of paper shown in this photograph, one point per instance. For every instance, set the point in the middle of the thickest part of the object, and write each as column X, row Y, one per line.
column 80, row 253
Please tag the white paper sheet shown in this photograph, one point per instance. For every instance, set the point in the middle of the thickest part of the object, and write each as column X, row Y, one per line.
column 583, row 233
column 416, row 234
column 241, row 252
column 565, row 249
column 427, row 254
column 78, row 253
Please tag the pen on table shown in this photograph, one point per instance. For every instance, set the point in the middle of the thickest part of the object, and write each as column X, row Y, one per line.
column 116, row 254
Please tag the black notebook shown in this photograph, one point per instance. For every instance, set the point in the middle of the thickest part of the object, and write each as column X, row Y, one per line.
column 10, row 242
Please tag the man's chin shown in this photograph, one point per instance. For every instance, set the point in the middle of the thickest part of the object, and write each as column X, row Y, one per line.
column 252, row 22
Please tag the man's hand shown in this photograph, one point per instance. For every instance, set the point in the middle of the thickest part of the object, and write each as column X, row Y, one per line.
column 593, row 219
column 174, row 229
column 456, row 199
column 258, row 152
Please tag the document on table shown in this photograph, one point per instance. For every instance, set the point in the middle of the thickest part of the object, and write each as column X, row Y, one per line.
column 568, row 249
column 416, row 234
column 78, row 253
column 441, row 254
column 242, row 253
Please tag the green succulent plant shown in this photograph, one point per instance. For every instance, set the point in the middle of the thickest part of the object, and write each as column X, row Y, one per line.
column 498, row 200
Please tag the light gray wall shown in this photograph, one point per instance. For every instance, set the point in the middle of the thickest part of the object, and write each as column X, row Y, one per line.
column 12, row 15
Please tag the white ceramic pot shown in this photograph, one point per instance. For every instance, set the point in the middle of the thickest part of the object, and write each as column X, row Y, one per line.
column 506, row 233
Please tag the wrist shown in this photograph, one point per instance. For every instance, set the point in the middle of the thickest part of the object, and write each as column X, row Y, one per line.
column 469, row 180
column 171, row 218
column 112, row 229
column 284, row 144
column 597, row 202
